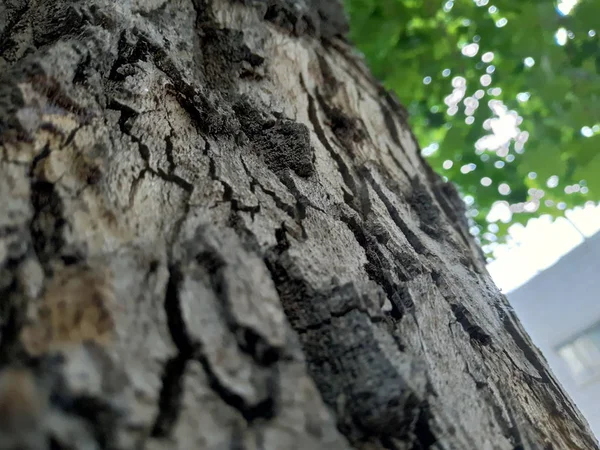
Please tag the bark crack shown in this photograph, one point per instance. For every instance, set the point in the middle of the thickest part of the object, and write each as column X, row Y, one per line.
column 288, row 209
column 359, row 200
column 170, row 397
column 18, row 15
column 172, row 391
column 466, row 321
column 412, row 238
column 128, row 114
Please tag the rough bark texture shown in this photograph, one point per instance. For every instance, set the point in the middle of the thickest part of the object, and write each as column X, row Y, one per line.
column 217, row 232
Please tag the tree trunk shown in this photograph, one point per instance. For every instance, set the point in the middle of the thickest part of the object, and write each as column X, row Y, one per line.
column 217, row 232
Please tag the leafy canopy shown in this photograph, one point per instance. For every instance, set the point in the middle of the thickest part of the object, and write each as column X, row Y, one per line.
column 504, row 97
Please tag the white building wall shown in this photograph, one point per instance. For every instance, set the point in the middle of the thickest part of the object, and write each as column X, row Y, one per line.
column 557, row 305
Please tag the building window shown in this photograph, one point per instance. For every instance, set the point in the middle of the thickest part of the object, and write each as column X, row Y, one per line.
column 582, row 355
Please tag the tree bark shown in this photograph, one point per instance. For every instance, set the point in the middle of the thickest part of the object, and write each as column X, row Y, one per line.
column 217, row 232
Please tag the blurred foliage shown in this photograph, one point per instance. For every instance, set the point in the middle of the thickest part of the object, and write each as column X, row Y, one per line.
column 504, row 97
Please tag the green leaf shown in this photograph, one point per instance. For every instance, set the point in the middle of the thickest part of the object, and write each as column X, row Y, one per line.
column 407, row 40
